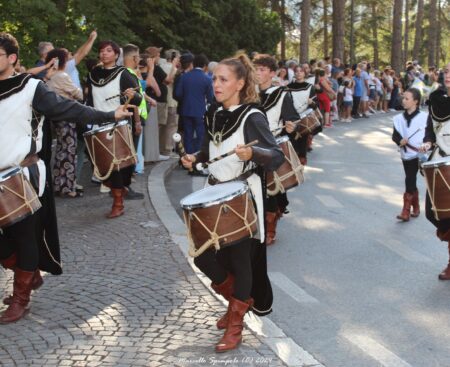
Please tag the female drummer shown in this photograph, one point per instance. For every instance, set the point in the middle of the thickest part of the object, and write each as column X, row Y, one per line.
column 302, row 96
column 409, row 130
column 439, row 121
column 110, row 85
column 238, row 272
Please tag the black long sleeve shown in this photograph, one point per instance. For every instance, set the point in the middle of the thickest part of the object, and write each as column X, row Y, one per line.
column 430, row 136
column 396, row 137
column 288, row 112
column 266, row 153
column 57, row 108
column 127, row 80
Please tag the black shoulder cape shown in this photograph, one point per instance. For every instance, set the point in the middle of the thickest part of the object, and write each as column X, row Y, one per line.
column 439, row 105
column 99, row 76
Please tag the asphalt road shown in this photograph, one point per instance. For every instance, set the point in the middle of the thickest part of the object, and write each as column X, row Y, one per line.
column 352, row 285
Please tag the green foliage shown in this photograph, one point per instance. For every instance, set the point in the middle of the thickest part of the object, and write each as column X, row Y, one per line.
column 217, row 28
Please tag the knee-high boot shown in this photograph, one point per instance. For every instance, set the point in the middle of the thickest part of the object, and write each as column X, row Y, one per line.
column 225, row 289
column 271, row 221
column 415, row 204
column 10, row 263
column 117, row 208
column 233, row 333
column 21, row 296
column 407, row 200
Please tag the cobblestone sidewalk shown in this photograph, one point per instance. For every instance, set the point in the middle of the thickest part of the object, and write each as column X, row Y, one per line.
column 127, row 298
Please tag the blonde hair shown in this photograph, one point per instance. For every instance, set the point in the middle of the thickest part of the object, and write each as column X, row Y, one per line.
column 243, row 68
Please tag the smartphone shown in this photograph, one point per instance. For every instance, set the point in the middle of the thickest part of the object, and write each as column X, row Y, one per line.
column 56, row 64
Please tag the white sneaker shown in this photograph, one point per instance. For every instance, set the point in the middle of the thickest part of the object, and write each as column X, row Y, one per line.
column 163, row 157
column 104, row 189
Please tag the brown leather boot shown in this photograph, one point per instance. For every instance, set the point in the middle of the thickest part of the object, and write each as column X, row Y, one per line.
column 21, row 297
column 415, row 204
column 117, row 208
column 445, row 274
column 35, row 284
column 225, row 289
column 233, row 333
column 271, row 221
column 10, row 262
column 407, row 200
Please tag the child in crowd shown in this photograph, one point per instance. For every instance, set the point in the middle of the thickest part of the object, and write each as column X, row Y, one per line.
column 347, row 101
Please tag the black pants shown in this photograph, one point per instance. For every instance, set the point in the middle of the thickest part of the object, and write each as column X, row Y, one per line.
column 355, row 107
column 279, row 201
column 411, row 168
column 235, row 259
column 121, row 178
column 442, row 225
column 301, row 146
column 20, row 238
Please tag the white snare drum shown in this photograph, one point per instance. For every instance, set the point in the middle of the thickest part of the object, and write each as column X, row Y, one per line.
column 437, row 175
column 289, row 174
column 18, row 199
column 219, row 216
column 111, row 148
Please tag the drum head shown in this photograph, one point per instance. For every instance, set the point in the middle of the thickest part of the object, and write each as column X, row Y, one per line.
column 306, row 113
column 105, row 128
column 213, row 195
column 442, row 161
column 282, row 139
column 7, row 173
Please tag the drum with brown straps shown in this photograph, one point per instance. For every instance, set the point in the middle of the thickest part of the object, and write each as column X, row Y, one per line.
column 219, row 216
column 309, row 123
column 18, row 199
column 437, row 175
column 111, row 148
column 289, row 174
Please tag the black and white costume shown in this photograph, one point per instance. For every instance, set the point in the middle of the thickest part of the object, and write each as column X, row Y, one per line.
column 24, row 102
column 247, row 259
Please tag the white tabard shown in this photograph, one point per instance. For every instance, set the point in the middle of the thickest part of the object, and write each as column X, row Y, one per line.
column 16, row 130
column 416, row 128
column 231, row 167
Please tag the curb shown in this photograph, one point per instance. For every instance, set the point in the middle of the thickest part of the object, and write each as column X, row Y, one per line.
column 268, row 332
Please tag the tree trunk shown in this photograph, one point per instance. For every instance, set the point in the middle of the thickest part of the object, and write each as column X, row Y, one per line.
column 396, row 48
column 352, row 32
column 376, row 59
column 325, row 28
column 418, row 36
column 438, row 33
column 304, row 30
column 432, row 32
column 283, row 27
column 338, row 28
column 406, row 33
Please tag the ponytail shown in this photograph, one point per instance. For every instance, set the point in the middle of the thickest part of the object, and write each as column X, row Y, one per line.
column 243, row 68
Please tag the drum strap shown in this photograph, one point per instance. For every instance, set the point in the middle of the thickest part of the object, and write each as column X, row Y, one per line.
column 29, row 160
column 242, row 177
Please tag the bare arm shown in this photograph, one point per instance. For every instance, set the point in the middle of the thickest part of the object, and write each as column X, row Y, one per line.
column 85, row 48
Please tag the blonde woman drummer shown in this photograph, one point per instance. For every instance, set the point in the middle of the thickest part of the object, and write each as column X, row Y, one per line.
column 437, row 134
column 238, row 272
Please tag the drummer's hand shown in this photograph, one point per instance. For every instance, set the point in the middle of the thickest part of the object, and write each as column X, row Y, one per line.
column 403, row 142
column 244, row 154
column 425, row 147
column 121, row 114
column 137, row 129
column 188, row 160
column 130, row 92
column 290, row 127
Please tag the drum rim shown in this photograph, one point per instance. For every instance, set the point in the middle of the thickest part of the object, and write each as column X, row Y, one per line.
column 106, row 127
column 305, row 113
column 14, row 171
column 435, row 164
column 282, row 139
column 211, row 203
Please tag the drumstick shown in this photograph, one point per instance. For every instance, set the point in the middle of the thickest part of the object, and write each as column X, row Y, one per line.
column 203, row 165
column 414, row 133
column 125, row 106
column 180, row 146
